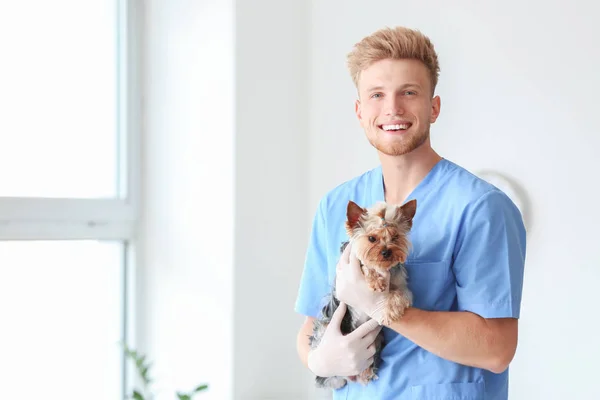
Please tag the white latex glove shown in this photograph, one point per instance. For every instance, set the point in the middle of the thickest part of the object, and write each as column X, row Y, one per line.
column 339, row 355
column 352, row 288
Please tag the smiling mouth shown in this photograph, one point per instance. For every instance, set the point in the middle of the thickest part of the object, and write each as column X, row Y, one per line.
column 395, row 127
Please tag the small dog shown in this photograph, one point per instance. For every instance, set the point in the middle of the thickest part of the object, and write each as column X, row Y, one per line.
column 379, row 237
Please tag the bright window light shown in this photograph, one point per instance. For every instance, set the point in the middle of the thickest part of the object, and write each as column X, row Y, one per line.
column 61, row 313
column 58, row 98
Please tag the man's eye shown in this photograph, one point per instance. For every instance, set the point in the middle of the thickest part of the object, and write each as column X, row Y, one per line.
column 376, row 95
column 410, row 93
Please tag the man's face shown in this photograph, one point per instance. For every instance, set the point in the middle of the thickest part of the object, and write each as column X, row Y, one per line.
column 395, row 107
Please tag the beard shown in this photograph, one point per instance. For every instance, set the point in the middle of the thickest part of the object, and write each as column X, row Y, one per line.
column 399, row 146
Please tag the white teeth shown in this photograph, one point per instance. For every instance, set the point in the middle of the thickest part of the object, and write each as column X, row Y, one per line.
column 394, row 127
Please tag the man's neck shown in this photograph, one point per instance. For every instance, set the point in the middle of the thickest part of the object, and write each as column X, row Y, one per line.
column 402, row 174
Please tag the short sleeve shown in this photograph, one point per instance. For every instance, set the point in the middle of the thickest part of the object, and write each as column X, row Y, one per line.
column 489, row 257
column 314, row 284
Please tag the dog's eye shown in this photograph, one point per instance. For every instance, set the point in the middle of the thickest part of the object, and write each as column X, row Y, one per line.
column 372, row 239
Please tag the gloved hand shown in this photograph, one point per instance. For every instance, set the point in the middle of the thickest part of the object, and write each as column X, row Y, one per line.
column 352, row 289
column 339, row 355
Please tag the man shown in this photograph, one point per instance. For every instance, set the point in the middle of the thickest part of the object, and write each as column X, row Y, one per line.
column 467, row 259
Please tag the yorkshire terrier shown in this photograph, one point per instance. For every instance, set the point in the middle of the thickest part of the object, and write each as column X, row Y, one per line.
column 379, row 237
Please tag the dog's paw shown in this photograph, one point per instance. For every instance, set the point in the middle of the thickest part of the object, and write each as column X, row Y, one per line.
column 334, row 382
column 380, row 284
column 367, row 375
column 337, row 383
column 397, row 304
column 377, row 282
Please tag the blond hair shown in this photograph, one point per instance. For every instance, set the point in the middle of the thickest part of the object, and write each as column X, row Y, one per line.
column 394, row 43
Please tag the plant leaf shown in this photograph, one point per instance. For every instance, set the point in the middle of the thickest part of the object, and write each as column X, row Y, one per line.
column 182, row 396
column 200, row 388
column 140, row 361
column 143, row 371
column 137, row 395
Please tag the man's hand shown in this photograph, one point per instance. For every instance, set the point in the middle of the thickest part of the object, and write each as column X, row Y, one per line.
column 351, row 287
column 339, row 355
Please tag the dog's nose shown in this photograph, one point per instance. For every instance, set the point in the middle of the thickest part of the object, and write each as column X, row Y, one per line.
column 386, row 253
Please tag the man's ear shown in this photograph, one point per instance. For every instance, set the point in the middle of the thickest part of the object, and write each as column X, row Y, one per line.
column 358, row 110
column 436, row 105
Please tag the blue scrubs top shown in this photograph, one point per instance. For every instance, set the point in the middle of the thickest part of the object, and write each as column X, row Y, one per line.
column 468, row 254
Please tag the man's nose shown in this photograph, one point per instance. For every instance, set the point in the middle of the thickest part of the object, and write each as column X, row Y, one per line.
column 394, row 107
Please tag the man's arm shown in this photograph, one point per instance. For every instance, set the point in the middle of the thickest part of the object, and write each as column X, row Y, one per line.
column 462, row 337
column 459, row 336
column 302, row 343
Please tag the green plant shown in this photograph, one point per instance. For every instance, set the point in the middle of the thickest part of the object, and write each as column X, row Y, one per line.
column 142, row 367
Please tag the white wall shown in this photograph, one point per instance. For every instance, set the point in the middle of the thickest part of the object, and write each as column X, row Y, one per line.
column 225, row 195
column 187, row 244
column 271, row 196
column 240, row 94
column 519, row 88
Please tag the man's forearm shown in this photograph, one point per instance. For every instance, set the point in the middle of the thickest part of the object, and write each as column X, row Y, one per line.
column 303, row 342
column 462, row 337
column 303, row 347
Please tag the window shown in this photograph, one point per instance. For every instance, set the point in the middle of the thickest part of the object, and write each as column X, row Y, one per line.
column 62, row 303
column 69, row 184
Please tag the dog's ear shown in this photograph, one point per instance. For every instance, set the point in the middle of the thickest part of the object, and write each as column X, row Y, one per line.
column 406, row 212
column 353, row 214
